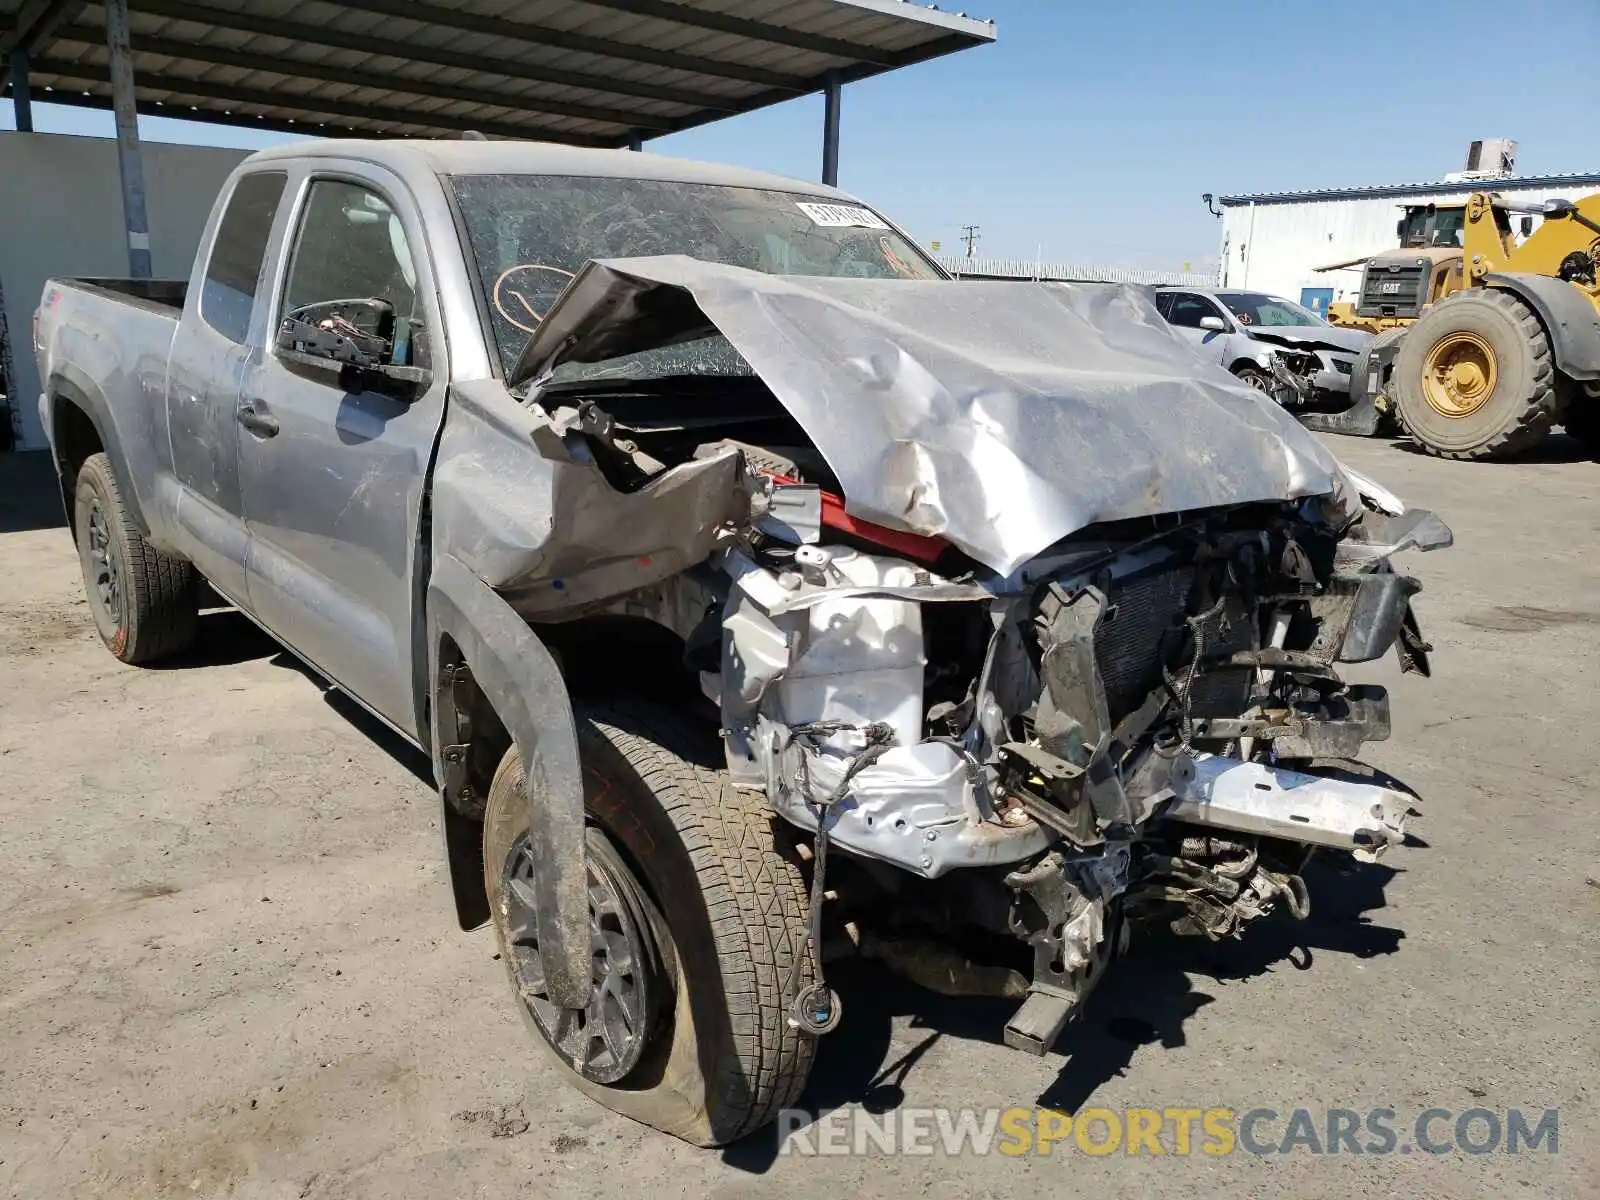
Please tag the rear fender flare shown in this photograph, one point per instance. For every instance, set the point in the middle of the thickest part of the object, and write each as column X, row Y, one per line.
column 1568, row 316
column 69, row 386
column 522, row 682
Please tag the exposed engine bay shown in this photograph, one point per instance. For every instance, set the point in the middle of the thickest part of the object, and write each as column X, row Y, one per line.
column 1293, row 372
column 1139, row 728
column 1141, row 722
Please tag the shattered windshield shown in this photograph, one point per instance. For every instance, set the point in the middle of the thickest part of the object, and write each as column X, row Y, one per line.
column 529, row 234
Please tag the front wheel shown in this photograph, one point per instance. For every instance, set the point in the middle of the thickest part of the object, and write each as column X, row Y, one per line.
column 1260, row 380
column 1475, row 377
column 696, row 922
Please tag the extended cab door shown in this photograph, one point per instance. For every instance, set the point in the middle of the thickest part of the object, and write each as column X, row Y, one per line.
column 332, row 479
column 210, row 352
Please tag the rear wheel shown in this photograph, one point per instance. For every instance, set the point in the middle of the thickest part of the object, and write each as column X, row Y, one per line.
column 1475, row 378
column 696, row 922
column 145, row 603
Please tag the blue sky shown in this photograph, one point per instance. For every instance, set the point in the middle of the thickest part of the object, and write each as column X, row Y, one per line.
column 1091, row 129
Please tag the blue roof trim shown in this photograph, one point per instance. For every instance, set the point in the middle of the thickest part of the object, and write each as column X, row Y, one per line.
column 1383, row 191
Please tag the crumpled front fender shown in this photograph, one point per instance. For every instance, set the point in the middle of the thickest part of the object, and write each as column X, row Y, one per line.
column 522, row 682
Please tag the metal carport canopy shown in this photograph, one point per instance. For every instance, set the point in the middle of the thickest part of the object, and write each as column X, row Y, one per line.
column 583, row 72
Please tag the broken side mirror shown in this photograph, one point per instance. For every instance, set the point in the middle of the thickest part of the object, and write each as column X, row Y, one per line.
column 1213, row 324
column 349, row 344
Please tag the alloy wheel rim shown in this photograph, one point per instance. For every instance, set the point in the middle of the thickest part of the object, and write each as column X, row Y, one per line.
column 103, row 561
column 605, row 1039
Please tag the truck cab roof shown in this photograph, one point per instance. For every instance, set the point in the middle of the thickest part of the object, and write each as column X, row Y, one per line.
column 441, row 157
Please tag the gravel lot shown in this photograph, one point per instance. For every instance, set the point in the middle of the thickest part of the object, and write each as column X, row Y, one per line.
column 229, row 963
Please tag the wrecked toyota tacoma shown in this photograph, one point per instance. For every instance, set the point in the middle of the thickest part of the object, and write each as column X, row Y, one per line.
column 761, row 596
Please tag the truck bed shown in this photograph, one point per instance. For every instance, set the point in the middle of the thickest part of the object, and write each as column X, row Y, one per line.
column 163, row 295
column 104, row 344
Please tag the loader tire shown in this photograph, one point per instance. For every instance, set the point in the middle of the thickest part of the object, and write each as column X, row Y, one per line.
column 145, row 603
column 712, row 921
column 1475, row 378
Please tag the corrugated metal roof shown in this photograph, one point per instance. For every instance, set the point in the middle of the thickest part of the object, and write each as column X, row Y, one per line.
column 583, row 72
column 1383, row 191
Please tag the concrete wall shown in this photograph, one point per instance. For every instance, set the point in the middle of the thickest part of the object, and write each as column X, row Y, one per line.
column 61, row 214
column 1277, row 247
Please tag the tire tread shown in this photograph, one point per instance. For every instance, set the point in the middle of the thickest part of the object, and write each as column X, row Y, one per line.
column 163, row 610
column 754, row 898
column 1542, row 409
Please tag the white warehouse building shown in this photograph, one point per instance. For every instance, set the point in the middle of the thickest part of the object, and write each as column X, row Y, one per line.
column 1276, row 241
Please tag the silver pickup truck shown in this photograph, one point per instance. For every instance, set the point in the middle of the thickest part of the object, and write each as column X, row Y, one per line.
column 759, row 595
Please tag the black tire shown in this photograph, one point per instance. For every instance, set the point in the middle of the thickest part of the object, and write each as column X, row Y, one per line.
column 1388, row 337
column 1518, row 408
column 145, row 603
column 727, row 909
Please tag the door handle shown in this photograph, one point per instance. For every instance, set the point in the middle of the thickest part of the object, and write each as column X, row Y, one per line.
column 259, row 423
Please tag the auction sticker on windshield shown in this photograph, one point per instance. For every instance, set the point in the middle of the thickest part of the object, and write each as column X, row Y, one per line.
column 841, row 216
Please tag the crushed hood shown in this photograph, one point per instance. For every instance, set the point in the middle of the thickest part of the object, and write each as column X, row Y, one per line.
column 1001, row 416
column 1313, row 337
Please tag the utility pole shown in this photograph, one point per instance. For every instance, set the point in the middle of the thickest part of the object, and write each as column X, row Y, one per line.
column 969, row 236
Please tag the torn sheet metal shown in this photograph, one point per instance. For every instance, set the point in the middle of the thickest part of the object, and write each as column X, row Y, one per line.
column 1378, row 536
column 1000, row 417
column 792, row 513
column 913, row 807
column 1315, row 337
column 846, row 575
column 801, row 683
column 531, row 514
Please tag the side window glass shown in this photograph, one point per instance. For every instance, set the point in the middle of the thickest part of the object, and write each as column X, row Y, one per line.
column 1164, row 304
column 1187, row 311
column 352, row 246
column 228, row 291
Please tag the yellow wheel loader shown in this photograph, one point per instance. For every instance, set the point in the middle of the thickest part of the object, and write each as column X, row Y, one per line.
column 1395, row 287
column 1467, row 393
column 1487, row 370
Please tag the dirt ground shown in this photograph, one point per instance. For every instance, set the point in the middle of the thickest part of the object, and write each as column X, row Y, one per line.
column 229, row 963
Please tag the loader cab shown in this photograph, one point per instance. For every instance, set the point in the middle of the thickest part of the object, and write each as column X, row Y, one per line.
column 1426, row 226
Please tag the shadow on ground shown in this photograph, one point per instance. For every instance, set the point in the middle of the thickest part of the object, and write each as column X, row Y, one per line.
column 375, row 731
column 29, row 496
column 227, row 638
column 1145, row 1000
column 1556, row 449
